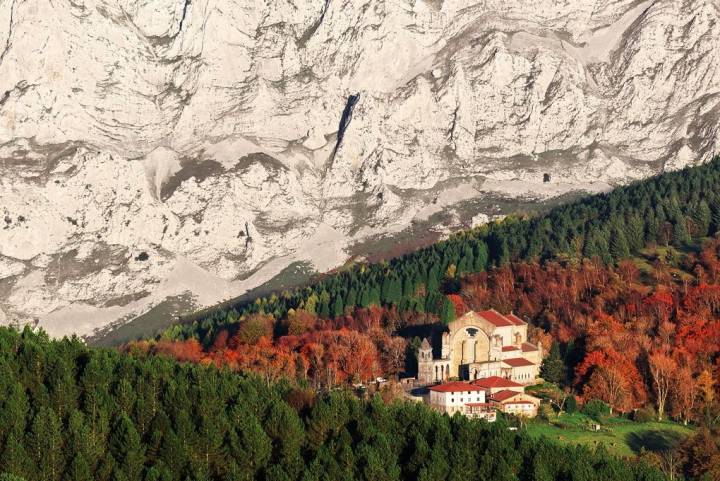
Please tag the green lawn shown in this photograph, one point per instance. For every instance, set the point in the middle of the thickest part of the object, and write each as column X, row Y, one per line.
column 620, row 436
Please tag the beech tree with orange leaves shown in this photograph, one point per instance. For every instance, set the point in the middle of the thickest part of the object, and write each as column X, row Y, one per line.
column 683, row 394
column 612, row 378
column 609, row 384
column 662, row 369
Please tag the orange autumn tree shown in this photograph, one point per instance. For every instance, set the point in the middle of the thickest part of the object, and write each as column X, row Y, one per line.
column 663, row 369
column 609, row 384
column 610, row 319
column 612, row 378
column 190, row 350
column 683, row 394
column 459, row 304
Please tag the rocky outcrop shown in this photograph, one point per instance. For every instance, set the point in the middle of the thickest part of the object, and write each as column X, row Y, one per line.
column 225, row 140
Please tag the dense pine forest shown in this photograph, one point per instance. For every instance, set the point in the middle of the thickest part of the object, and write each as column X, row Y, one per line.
column 78, row 414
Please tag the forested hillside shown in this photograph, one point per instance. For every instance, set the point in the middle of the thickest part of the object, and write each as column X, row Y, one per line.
column 72, row 413
column 624, row 290
column 671, row 209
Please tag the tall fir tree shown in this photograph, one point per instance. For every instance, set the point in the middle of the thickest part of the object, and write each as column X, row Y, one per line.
column 127, row 450
column 635, row 233
column 447, row 314
column 553, row 368
column 45, row 445
column 702, row 217
column 680, row 233
column 619, row 248
column 715, row 214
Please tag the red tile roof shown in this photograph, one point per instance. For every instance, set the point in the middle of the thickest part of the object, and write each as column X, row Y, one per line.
column 503, row 395
column 527, row 347
column 495, row 318
column 515, row 320
column 456, row 386
column 510, row 348
column 495, row 381
column 518, row 362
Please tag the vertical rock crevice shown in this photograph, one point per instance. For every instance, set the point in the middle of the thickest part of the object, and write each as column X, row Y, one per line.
column 6, row 48
column 345, row 121
column 183, row 16
column 453, row 125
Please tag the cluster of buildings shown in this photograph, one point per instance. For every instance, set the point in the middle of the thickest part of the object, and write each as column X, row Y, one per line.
column 480, row 365
column 483, row 398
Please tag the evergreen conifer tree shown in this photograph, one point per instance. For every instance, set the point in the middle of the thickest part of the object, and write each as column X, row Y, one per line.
column 715, row 214
column 126, row 449
column 635, row 233
column 79, row 470
column 45, row 446
column 681, row 236
column 447, row 314
column 619, row 248
column 552, row 368
column 702, row 218
column 338, row 308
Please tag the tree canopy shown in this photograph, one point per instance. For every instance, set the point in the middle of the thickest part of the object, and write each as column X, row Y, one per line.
column 91, row 414
column 669, row 209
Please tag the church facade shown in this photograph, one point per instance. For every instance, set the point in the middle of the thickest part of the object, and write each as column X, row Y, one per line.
column 480, row 345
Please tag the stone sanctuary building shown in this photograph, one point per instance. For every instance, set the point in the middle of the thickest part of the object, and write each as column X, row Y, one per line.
column 480, row 345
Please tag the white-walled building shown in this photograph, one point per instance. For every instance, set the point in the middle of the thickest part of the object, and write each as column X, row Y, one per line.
column 521, row 370
column 513, row 402
column 462, row 397
column 482, row 397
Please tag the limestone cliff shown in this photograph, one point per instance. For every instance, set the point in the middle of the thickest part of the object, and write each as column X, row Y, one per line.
column 154, row 147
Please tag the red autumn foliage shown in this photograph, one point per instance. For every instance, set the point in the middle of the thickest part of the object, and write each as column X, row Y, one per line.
column 614, row 318
column 618, row 316
column 459, row 303
column 189, row 350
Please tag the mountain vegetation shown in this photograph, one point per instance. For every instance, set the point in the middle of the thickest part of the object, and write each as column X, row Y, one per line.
column 629, row 331
column 79, row 414
column 670, row 209
column 623, row 289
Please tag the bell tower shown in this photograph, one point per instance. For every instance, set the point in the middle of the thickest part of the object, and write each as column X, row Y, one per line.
column 425, row 363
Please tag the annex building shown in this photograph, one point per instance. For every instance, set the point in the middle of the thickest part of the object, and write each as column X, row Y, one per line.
column 482, row 398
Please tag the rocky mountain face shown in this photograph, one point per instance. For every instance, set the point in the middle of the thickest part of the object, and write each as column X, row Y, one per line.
column 150, row 148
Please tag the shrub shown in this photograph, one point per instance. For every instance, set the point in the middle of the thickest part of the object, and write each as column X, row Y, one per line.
column 645, row 415
column 571, row 404
column 596, row 409
column 545, row 412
